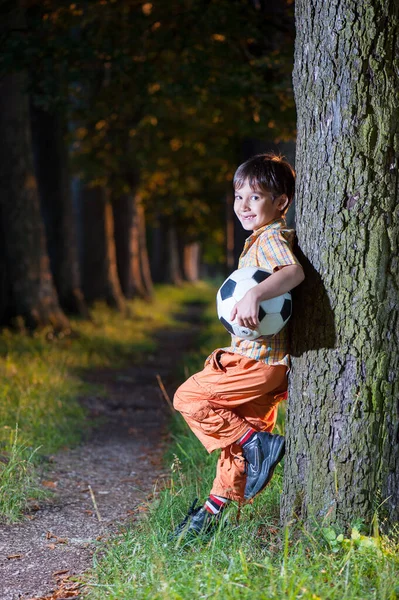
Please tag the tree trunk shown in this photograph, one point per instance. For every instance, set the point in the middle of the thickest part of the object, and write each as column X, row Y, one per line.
column 51, row 158
column 131, row 247
column 144, row 258
column 165, row 255
column 342, row 457
column 158, row 250
column 5, row 291
column 191, row 261
column 172, row 268
column 34, row 299
column 100, row 275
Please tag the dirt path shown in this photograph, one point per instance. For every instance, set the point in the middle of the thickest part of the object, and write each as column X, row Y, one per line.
column 120, row 463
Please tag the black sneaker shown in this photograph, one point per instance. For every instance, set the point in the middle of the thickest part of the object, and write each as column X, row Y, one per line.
column 261, row 453
column 198, row 521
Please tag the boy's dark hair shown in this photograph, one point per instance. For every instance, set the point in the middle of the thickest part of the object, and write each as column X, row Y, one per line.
column 269, row 173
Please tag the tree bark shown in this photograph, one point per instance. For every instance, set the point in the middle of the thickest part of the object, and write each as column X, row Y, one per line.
column 33, row 296
column 157, row 250
column 173, row 272
column 191, row 261
column 144, row 258
column 131, row 246
column 51, row 158
column 165, row 255
column 100, row 275
column 342, row 457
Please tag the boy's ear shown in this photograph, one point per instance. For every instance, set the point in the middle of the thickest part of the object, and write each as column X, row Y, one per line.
column 282, row 202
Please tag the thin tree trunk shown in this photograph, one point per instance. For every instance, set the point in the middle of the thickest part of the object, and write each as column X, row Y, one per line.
column 144, row 259
column 342, row 457
column 123, row 215
column 100, row 275
column 51, row 157
column 191, row 261
column 172, row 271
column 5, row 291
column 165, row 255
column 34, row 299
column 131, row 246
column 158, row 251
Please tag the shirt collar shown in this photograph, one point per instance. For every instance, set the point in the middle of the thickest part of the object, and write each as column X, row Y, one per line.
column 275, row 224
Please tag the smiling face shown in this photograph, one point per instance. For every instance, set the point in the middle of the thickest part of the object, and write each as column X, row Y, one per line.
column 256, row 208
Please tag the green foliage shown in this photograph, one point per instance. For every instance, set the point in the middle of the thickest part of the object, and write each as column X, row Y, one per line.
column 18, row 482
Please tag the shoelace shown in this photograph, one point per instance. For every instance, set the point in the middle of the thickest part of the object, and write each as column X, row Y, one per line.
column 191, row 511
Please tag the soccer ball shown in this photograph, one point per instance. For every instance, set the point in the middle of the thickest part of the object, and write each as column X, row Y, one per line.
column 273, row 313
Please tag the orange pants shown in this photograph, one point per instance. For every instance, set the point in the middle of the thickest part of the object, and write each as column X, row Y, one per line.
column 219, row 404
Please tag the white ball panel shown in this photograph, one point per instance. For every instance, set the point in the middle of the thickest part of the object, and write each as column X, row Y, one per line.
column 271, row 324
column 242, row 287
column 244, row 273
column 224, row 308
column 273, row 305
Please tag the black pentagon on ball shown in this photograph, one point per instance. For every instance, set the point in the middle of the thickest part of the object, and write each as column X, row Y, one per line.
column 227, row 289
column 227, row 325
column 260, row 276
column 261, row 314
column 286, row 309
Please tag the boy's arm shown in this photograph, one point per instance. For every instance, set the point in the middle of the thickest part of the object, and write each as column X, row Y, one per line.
column 285, row 279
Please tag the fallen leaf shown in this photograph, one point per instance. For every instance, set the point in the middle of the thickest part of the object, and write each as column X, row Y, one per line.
column 51, row 546
column 58, row 573
column 64, row 590
column 50, row 484
column 14, row 556
column 58, row 540
column 89, row 512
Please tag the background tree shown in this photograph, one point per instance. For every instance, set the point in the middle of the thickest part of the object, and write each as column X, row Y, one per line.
column 343, row 439
column 28, row 292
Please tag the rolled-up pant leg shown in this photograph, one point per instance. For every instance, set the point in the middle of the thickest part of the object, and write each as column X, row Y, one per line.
column 231, row 394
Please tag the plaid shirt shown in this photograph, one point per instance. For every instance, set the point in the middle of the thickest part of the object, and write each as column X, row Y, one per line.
column 270, row 248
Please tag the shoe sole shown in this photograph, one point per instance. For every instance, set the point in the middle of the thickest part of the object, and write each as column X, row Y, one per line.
column 279, row 447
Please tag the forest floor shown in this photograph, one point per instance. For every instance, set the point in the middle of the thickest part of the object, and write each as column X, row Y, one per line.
column 101, row 484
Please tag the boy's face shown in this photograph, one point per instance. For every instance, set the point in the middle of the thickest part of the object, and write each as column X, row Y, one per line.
column 256, row 208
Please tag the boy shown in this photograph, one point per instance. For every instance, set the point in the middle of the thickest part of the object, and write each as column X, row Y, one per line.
column 232, row 404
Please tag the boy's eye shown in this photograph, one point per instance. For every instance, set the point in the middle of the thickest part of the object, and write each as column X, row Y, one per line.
column 254, row 197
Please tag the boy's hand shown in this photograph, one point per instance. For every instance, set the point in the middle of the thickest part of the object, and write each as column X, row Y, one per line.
column 246, row 310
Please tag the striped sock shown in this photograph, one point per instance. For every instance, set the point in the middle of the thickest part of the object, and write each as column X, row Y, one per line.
column 215, row 504
column 246, row 437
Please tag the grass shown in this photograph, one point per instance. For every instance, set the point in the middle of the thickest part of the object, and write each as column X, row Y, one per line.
column 252, row 557
column 43, row 377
